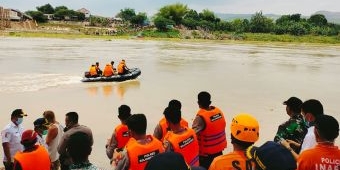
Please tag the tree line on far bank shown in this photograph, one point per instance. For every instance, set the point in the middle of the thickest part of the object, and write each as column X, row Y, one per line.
column 179, row 15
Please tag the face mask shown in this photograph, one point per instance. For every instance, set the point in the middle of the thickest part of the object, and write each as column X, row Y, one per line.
column 19, row 121
column 44, row 132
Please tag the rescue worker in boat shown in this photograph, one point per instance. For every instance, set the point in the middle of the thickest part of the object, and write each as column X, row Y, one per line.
column 108, row 70
column 99, row 71
column 92, row 72
column 122, row 68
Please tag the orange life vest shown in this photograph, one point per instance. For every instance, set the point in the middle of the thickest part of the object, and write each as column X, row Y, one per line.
column 108, row 71
column 93, row 71
column 232, row 161
column 212, row 139
column 140, row 154
column 122, row 135
column 185, row 144
column 35, row 160
column 121, row 68
column 165, row 128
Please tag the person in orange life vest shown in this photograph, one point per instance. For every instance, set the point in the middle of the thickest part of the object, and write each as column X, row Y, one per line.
column 93, row 71
column 108, row 70
column 180, row 139
column 120, row 135
column 209, row 125
column 122, row 68
column 244, row 133
column 99, row 71
column 79, row 148
column 140, row 148
column 325, row 155
column 34, row 157
column 162, row 127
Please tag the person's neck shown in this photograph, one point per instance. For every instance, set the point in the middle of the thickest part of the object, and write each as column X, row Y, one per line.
column 177, row 128
column 73, row 125
column 238, row 147
column 140, row 137
column 325, row 142
column 81, row 161
column 206, row 108
column 31, row 148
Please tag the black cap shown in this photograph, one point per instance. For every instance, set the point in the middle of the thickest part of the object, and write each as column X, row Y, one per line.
column 167, row 161
column 18, row 113
column 40, row 122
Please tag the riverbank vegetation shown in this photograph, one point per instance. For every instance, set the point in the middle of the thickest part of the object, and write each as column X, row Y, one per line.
column 179, row 21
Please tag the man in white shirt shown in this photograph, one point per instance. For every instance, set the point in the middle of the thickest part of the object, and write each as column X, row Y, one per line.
column 310, row 110
column 11, row 137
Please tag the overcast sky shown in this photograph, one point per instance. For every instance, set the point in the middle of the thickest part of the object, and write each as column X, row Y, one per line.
column 110, row 8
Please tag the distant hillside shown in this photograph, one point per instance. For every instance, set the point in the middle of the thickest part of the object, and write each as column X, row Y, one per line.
column 333, row 17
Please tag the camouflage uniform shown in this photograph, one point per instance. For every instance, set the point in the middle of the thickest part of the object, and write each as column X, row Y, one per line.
column 294, row 129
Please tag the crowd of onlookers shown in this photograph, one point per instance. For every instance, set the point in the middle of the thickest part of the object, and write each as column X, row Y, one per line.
column 304, row 142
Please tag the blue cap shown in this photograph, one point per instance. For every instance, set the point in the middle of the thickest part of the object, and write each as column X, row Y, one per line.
column 272, row 156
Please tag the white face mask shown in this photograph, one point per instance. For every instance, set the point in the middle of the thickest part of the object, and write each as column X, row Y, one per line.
column 19, row 121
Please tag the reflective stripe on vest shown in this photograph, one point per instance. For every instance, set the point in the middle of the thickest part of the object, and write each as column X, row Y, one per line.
column 213, row 138
column 122, row 135
column 140, row 154
column 185, row 144
column 164, row 126
column 35, row 160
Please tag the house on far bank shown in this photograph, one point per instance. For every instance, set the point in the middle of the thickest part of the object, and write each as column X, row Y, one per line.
column 16, row 15
column 49, row 16
column 85, row 12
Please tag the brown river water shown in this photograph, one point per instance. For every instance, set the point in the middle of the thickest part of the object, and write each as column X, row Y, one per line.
column 41, row 73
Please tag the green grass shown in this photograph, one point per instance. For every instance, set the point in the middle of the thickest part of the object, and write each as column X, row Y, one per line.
column 174, row 35
column 291, row 38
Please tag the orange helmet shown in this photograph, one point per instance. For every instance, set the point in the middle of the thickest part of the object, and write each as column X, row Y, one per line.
column 245, row 127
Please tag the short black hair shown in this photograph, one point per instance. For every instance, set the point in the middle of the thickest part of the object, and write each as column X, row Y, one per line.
column 204, row 99
column 72, row 116
column 172, row 115
column 242, row 144
column 175, row 104
column 124, row 112
column 79, row 146
column 327, row 127
column 137, row 123
column 313, row 107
